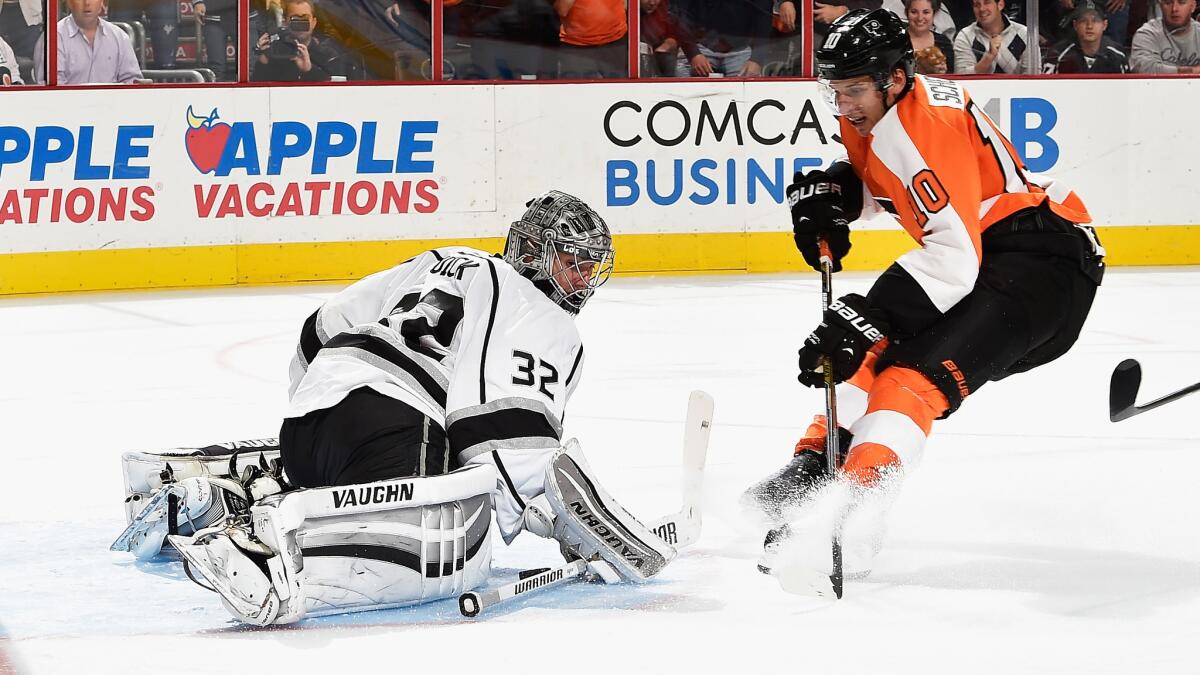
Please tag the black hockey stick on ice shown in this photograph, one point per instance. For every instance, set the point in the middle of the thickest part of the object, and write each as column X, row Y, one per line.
column 800, row 578
column 1123, row 391
column 831, row 423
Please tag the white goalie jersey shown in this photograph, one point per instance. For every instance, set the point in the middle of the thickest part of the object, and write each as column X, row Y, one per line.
column 462, row 337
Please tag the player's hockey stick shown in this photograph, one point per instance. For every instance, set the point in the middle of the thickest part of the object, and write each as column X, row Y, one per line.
column 1123, row 390
column 678, row 529
column 831, row 423
column 800, row 578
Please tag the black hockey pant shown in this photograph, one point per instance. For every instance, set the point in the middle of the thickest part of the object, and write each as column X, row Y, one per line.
column 1036, row 284
column 365, row 437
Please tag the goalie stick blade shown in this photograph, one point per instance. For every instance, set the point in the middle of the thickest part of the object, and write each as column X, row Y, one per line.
column 799, row 580
column 678, row 529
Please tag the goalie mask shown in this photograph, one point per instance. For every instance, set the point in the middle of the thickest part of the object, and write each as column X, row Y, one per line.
column 563, row 246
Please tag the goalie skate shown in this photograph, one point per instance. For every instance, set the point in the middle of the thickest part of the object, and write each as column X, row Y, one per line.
column 144, row 535
column 244, row 587
column 196, row 503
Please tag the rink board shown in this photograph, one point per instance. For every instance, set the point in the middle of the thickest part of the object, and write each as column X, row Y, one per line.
column 223, row 185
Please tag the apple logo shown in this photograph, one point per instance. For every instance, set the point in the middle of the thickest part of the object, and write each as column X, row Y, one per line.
column 205, row 140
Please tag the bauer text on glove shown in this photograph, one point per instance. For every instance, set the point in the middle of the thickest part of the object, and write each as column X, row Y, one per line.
column 849, row 329
column 817, row 213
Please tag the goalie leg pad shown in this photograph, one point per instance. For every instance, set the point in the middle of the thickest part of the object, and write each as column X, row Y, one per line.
column 589, row 523
column 356, row 547
column 146, row 472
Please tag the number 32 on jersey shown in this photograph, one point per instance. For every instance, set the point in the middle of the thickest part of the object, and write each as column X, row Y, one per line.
column 534, row 372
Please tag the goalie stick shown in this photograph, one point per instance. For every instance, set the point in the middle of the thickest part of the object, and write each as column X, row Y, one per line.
column 678, row 529
column 683, row 528
column 1123, row 390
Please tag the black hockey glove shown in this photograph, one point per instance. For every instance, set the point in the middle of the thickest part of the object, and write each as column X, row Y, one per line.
column 848, row 330
column 818, row 213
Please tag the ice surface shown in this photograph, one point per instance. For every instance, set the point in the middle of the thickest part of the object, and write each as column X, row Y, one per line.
column 1036, row 537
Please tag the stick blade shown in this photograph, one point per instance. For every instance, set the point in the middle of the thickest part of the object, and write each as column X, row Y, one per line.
column 1123, row 389
column 802, row 580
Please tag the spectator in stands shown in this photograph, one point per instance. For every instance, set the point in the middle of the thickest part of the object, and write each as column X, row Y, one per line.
column 10, row 73
column 1117, row 14
column 1058, row 17
column 943, row 22
column 90, row 49
column 21, row 25
column 592, row 37
column 826, row 12
column 730, row 37
column 161, row 18
column 782, row 51
column 1091, row 51
column 993, row 44
column 1170, row 44
column 219, row 19
column 934, row 52
column 292, row 53
column 660, row 39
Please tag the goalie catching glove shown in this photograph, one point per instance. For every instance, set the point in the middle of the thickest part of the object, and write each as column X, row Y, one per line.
column 591, row 525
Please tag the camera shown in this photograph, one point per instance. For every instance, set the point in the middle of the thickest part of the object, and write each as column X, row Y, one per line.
column 282, row 40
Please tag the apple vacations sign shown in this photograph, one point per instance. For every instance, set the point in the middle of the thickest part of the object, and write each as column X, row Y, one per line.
column 302, row 154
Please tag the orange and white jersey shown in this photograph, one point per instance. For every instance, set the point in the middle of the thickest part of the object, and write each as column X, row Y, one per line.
column 943, row 168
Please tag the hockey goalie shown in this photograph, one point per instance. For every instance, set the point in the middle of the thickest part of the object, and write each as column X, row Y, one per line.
column 425, row 401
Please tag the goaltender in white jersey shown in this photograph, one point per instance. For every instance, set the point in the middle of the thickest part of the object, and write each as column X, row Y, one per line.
column 422, row 398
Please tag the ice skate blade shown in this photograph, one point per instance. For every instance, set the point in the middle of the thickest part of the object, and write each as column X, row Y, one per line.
column 151, row 517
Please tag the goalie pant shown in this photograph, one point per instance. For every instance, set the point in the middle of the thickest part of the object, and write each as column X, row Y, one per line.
column 449, row 359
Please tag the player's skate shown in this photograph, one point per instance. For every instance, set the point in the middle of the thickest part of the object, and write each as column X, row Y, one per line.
column 790, row 487
column 187, row 506
column 793, row 484
column 238, row 573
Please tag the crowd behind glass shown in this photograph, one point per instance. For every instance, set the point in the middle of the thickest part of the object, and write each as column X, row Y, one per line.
column 147, row 41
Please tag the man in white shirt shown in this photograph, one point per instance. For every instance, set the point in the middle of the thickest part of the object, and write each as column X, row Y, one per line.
column 993, row 44
column 10, row 74
column 90, row 49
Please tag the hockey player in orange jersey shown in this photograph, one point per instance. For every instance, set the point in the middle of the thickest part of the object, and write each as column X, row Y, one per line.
column 1002, row 281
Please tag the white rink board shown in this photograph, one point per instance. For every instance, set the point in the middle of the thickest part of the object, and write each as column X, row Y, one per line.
column 473, row 153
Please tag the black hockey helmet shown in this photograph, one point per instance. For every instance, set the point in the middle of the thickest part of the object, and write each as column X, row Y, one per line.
column 865, row 42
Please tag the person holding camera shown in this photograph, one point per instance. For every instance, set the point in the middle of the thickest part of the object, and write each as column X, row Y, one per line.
column 292, row 53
